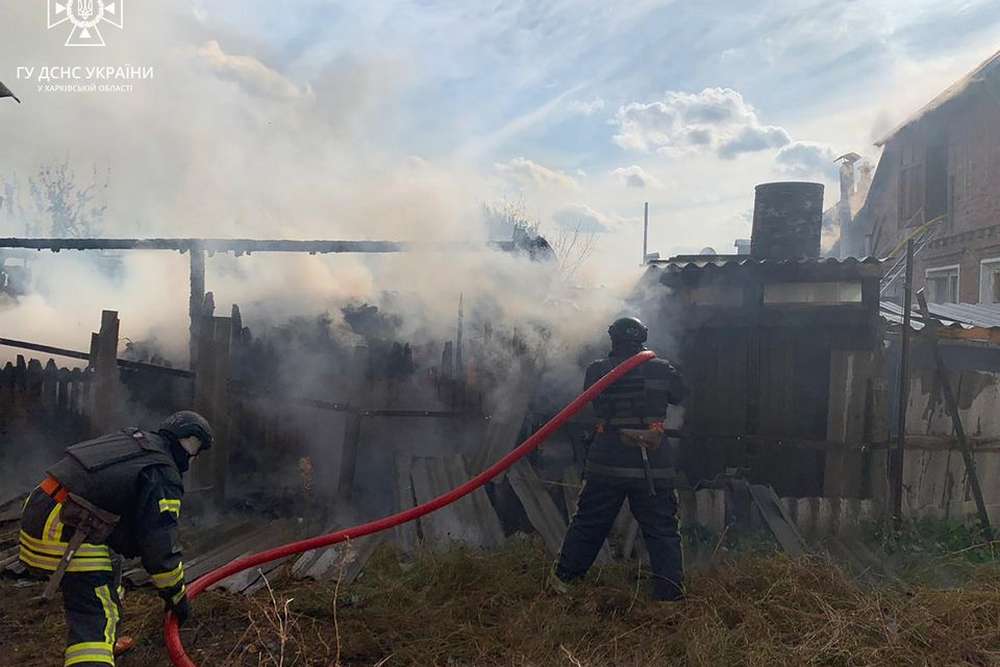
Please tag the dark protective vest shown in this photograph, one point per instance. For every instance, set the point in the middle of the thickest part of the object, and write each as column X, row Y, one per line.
column 105, row 471
column 635, row 401
column 639, row 398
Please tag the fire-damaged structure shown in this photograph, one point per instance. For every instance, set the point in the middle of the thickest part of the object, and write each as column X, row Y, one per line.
column 937, row 183
column 782, row 352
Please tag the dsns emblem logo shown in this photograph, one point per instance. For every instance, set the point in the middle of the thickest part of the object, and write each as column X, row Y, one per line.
column 86, row 17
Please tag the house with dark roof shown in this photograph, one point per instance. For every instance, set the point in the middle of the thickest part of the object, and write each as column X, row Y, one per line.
column 938, row 182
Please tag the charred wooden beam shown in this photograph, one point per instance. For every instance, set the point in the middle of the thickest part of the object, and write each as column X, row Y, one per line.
column 104, row 362
column 238, row 246
column 84, row 356
column 196, row 298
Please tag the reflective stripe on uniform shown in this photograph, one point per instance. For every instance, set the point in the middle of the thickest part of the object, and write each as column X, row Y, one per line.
column 171, row 505
column 179, row 595
column 46, row 555
column 53, row 526
column 168, row 579
column 110, row 613
column 59, row 548
column 103, row 652
column 51, row 563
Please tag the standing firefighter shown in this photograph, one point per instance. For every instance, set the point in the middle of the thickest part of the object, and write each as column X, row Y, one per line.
column 113, row 497
column 629, row 458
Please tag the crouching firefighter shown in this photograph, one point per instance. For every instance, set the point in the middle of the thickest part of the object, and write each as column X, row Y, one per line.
column 629, row 458
column 115, row 497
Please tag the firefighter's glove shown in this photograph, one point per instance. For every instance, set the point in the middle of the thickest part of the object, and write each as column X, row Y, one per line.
column 181, row 609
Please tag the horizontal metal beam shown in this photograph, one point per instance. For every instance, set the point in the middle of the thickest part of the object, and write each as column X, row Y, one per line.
column 75, row 354
column 238, row 246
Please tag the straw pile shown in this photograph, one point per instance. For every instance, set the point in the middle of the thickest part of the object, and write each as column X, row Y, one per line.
column 472, row 608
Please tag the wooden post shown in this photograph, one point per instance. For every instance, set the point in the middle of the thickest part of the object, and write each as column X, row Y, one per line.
column 204, row 392
column 196, row 300
column 930, row 335
column 104, row 361
column 50, row 387
column 904, row 386
column 222, row 333
column 211, row 400
column 352, row 425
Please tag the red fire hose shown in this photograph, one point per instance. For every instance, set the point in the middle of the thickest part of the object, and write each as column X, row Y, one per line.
column 170, row 630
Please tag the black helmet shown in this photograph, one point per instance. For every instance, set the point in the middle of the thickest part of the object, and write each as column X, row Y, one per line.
column 187, row 423
column 628, row 330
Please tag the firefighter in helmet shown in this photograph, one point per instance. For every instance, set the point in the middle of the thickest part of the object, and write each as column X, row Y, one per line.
column 629, row 458
column 113, row 497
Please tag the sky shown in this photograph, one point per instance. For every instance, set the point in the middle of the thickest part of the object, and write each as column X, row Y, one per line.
column 583, row 110
column 399, row 119
column 578, row 110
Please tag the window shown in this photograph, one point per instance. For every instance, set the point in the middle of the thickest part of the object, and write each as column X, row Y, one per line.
column 713, row 295
column 989, row 280
column 942, row 284
column 814, row 294
column 912, row 173
column 936, row 194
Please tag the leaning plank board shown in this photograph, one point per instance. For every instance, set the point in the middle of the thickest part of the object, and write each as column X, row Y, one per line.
column 471, row 520
column 248, row 581
column 777, row 519
column 227, row 548
column 345, row 561
column 268, row 536
column 507, row 419
column 405, row 534
column 538, row 505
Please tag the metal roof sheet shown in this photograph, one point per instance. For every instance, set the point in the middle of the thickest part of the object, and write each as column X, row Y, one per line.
column 954, row 315
column 697, row 262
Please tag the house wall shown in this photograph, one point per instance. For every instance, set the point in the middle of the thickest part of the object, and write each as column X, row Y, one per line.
column 935, row 482
column 967, row 132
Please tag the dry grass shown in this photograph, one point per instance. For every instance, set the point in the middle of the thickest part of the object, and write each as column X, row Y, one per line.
column 468, row 608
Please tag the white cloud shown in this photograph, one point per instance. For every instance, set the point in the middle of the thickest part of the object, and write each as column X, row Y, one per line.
column 583, row 218
column 807, row 159
column 753, row 138
column 585, row 107
column 253, row 75
column 526, row 172
column 635, row 176
column 716, row 119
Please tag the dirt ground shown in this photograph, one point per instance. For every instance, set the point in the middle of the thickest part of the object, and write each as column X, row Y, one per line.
column 464, row 607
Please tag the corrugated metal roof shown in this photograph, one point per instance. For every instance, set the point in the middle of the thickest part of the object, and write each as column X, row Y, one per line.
column 955, row 315
column 698, row 262
column 983, row 71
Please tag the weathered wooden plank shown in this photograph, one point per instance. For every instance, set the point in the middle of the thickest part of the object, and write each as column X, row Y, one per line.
column 405, row 534
column 104, row 360
column 222, row 333
column 475, row 508
column 538, row 505
column 710, row 509
column 50, row 386
column 469, row 520
column 345, row 561
column 777, row 520
column 508, row 415
column 362, row 390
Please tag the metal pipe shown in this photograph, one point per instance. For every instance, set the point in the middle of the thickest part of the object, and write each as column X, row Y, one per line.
column 645, row 232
